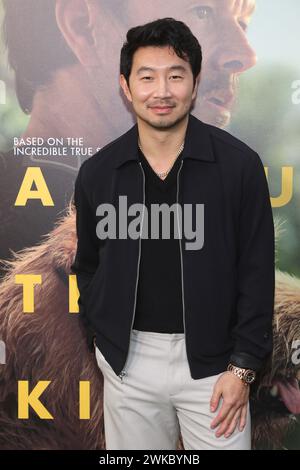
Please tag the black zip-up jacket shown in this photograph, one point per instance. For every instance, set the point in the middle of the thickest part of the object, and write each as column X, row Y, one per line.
column 228, row 285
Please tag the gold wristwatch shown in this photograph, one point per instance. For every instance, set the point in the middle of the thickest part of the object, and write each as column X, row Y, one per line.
column 246, row 375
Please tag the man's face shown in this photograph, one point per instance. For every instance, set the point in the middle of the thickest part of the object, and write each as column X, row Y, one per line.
column 161, row 86
column 219, row 25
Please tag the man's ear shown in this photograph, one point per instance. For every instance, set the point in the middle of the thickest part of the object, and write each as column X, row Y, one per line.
column 76, row 21
column 197, row 81
column 125, row 87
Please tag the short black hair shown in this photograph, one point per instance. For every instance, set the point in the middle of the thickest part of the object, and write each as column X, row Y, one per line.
column 162, row 32
column 35, row 45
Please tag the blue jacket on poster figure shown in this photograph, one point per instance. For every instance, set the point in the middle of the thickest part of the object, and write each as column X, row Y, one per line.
column 228, row 285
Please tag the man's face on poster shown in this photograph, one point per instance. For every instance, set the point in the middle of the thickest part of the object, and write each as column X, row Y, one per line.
column 219, row 25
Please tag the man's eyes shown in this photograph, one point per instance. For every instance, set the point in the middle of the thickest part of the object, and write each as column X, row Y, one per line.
column 172, row 76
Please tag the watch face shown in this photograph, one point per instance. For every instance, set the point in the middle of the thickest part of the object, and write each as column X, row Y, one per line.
column 249, row 376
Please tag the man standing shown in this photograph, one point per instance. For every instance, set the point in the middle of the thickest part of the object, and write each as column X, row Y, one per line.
column 180, row 327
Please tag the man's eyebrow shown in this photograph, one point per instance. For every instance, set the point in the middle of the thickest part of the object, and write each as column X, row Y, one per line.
column 144, row 68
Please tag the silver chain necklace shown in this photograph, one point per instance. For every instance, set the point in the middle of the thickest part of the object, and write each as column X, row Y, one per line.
column 165, row 173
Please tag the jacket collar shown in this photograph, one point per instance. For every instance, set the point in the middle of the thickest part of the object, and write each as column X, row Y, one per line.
column 197, row 143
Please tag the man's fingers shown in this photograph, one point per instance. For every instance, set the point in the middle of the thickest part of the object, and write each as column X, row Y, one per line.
column 226, row 422
column 215, row 398
column 225, row 409
column 231, row 427
column 243, row 418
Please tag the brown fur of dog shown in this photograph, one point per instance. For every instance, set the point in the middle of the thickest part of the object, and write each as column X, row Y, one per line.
column 50, row 344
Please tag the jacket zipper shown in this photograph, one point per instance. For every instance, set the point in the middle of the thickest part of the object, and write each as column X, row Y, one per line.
column 123, row 371
column 181, row 263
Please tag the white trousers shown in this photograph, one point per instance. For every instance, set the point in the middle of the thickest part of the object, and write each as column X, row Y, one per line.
column 158, row 398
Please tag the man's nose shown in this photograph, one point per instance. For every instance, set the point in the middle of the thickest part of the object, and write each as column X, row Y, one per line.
column 162, row 89
column 235, row 53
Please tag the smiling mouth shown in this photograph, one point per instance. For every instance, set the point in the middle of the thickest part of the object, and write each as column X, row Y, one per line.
column 161, row 109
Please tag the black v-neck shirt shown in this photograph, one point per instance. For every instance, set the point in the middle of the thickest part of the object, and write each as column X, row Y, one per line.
column 159, row 295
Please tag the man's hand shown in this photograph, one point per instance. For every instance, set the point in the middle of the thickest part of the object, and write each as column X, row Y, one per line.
column 235, row 396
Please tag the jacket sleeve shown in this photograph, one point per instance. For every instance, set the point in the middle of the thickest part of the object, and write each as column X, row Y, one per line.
column 246, row 361
column 253, row 332
column 86, row 259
